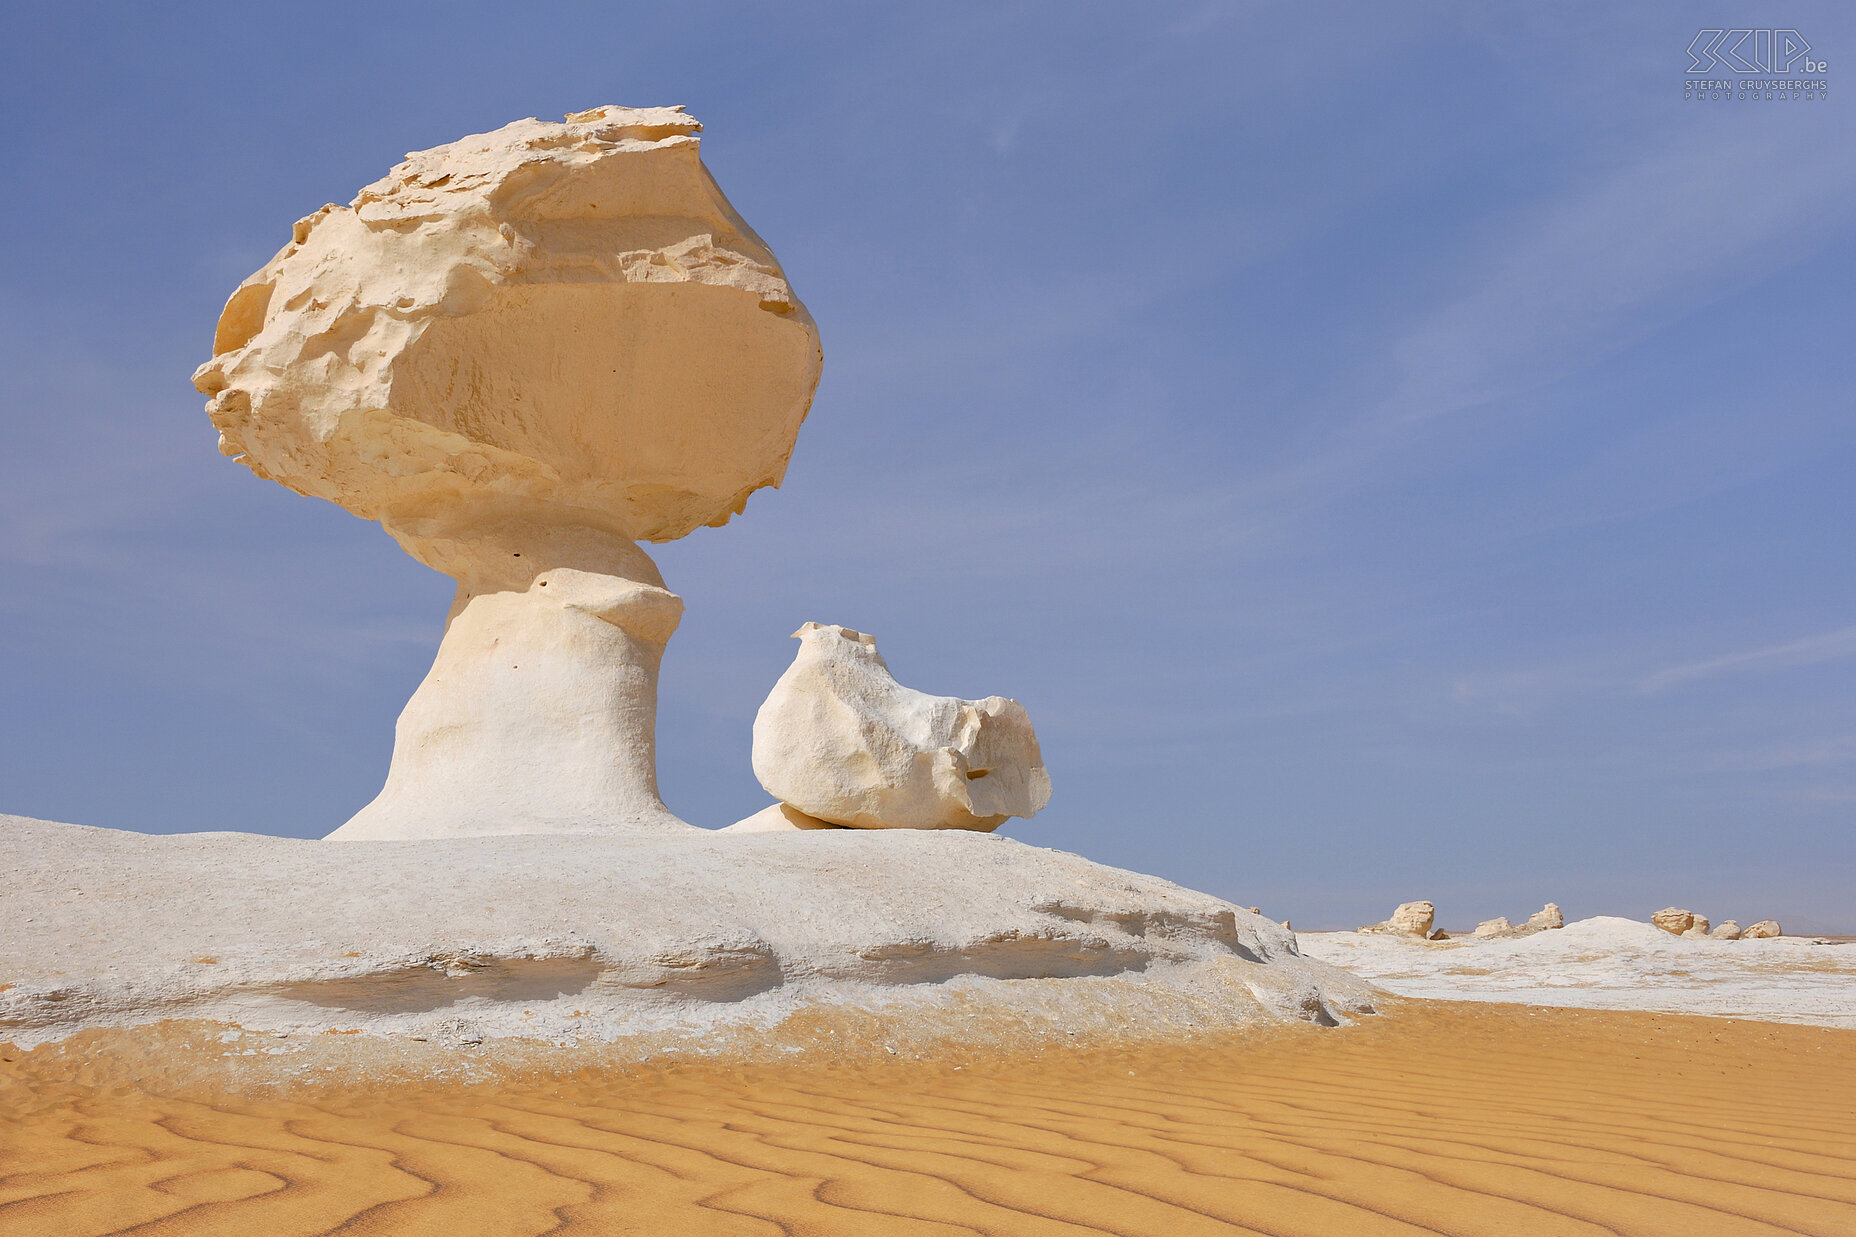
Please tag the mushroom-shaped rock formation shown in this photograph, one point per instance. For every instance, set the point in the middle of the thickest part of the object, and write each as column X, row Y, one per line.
column 522, row 353
column 842, row 742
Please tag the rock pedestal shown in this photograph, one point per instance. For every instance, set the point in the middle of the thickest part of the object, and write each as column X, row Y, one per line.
column 539, row 714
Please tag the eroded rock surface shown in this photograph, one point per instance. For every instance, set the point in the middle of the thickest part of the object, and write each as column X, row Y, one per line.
column 1674, row 920
column 563, row 314
column 679, row 936
column 1765, row 929
column 840, row 740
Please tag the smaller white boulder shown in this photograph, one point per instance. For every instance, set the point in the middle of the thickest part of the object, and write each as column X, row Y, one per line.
column 1726, row 931
column 1546, row 918
column 840, row 740
column 1489, row 929
column 1765, row 929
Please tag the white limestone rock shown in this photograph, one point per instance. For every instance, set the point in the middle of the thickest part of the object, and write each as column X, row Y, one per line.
column 840, row 740
column 523, row 352
column 1410, row 919
column 670, row 942
column 1491, row 929
column 1765, row 929
column 1546, row 919
column 563, row 314
column 1726, row 931
column 1609, row 963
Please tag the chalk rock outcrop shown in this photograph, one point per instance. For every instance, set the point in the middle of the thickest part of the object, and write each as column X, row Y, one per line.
column 1546, row 919
column 683, row 943
column 522, row 353
column 1410, row 919
column 841, row 741
column 1765, row 929
column 1613, row 963
column 1674, row 920
column 1726, row 931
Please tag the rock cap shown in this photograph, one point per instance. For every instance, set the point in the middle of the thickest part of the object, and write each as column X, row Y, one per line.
column 564, row 316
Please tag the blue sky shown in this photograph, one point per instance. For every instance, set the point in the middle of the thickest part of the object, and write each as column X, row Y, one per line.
column 1393, row 451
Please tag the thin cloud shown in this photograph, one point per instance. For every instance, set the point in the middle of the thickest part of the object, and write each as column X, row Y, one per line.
column 1836, row 751
column 1828, row 646
column 1612, row 262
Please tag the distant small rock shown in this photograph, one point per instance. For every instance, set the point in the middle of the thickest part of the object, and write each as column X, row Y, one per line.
column 1410, row 919
column 1726, row 931
column 1674, row 920
column 1499, row 928
column 1765, row 929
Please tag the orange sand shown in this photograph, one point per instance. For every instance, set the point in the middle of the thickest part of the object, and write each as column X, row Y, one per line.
column 1435, row 1118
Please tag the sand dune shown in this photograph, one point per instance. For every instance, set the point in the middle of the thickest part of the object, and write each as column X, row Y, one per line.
column 1436, row 1118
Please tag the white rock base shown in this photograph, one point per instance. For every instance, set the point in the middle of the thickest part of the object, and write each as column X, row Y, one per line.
column 677, row 938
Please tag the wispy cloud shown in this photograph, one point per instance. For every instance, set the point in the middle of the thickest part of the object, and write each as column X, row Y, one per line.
column 1803, row 754
column 1611, row 261
column 1827, row 646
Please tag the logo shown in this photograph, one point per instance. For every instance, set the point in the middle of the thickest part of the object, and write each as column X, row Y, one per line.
column 1785, row 57
column 1751, row 51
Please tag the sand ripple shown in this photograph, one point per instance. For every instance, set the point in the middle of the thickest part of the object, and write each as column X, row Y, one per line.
column 1434, row 1119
